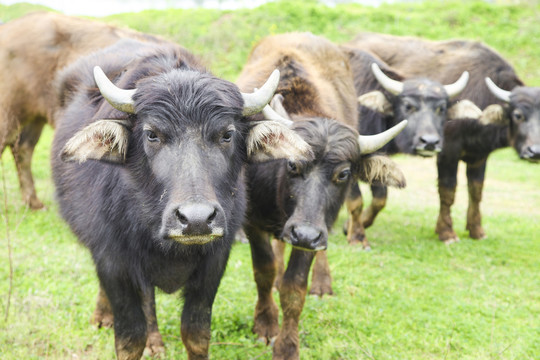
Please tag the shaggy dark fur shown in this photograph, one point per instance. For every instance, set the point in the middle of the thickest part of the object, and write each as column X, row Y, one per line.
column 126, row 212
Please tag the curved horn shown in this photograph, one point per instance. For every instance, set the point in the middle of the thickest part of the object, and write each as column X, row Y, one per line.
column 457, row 87
column 371, row 143
column 271, row 114
column 119, row 98
column 499, row 93
column 393, row 86
column 255, row 102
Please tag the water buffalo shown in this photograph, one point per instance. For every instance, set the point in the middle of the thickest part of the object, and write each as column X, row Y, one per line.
column 298, row 201
column 33, row 49
column 151, row 179
column 444, row 61
column 384, row 102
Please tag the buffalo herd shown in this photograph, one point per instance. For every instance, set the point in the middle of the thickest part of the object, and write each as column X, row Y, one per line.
column 157, row 163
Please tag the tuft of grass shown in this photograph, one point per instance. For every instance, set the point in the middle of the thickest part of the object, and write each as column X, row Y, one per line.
column 411, row 297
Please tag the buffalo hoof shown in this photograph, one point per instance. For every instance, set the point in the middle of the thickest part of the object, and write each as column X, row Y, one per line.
column 321, row 289
column 266, row 324
column 102, row 319
column 285, row 349
column 476, row 232
column 451, row 240
column 154, row 346
column 35, row 204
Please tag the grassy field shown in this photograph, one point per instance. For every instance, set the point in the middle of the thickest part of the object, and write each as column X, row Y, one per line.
column 411, row 297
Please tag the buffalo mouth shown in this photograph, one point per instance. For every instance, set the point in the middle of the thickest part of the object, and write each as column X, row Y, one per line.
column 319, row 247
column 426, row 152
column 531, row 154
column 194, row 239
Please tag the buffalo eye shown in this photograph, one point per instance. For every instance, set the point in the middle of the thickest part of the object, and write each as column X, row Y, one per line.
column 227, row 137
column 440, row 109
column 151, row 136
column 343, row 175
column 409, row 108
column 517, row 115
column 292, row 168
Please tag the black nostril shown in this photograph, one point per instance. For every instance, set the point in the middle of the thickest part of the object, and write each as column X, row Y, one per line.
column 212, row 216
column 430, row 139
column 534, row 149
column 181, row 217
column 293, row 233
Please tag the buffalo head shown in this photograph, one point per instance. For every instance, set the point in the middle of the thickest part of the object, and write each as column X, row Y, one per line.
column 522, row 114
column 312, row 191
column 182, row 147
column 423, row 102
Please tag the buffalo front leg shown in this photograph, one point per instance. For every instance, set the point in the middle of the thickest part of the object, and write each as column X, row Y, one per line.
column 103, row 317
column 447, row 166
column 321, row 280
column 23, row 149
column 130, row 328
column 292, row 296
column 355, row 229
column 378, row 202
column 199, row 294
column 475, row 184
column 265, row 323
column 444, row 223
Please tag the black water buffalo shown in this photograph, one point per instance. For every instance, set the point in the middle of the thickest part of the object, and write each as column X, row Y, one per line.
column 444, row 61
column 298, row 201
column 161, row 203
column 384, row 102
column 516, row 123
column 33, row 49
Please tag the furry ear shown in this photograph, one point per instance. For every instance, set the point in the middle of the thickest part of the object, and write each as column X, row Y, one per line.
column 104, row 140
column 494, row 114
column 464, row 109
column 379, row 168
column 376, row 101
column 269, row 140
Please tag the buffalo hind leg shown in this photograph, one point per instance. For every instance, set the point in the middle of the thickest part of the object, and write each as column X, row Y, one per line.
column 265, row 324
column 279, row 254
column 103, row 315
column 22, row 150
column 447, row 182
column 321, row 280
column 356, row 233
column 475, row 184
column 154, row 343
column 378, row 202
column 292, row 296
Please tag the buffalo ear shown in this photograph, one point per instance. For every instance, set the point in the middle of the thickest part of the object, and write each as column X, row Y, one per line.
column 268, row 140
column 494, row 114
column 376, row 101
column 464, row 109
column 104, row 140
column 380, row 169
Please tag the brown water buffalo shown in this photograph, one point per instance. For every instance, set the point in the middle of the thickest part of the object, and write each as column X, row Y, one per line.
column 298, row 201
column 444, row 61
column 149, row 174
column 33, row 49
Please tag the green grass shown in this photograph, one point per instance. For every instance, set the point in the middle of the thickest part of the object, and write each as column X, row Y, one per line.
column 409, row 298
